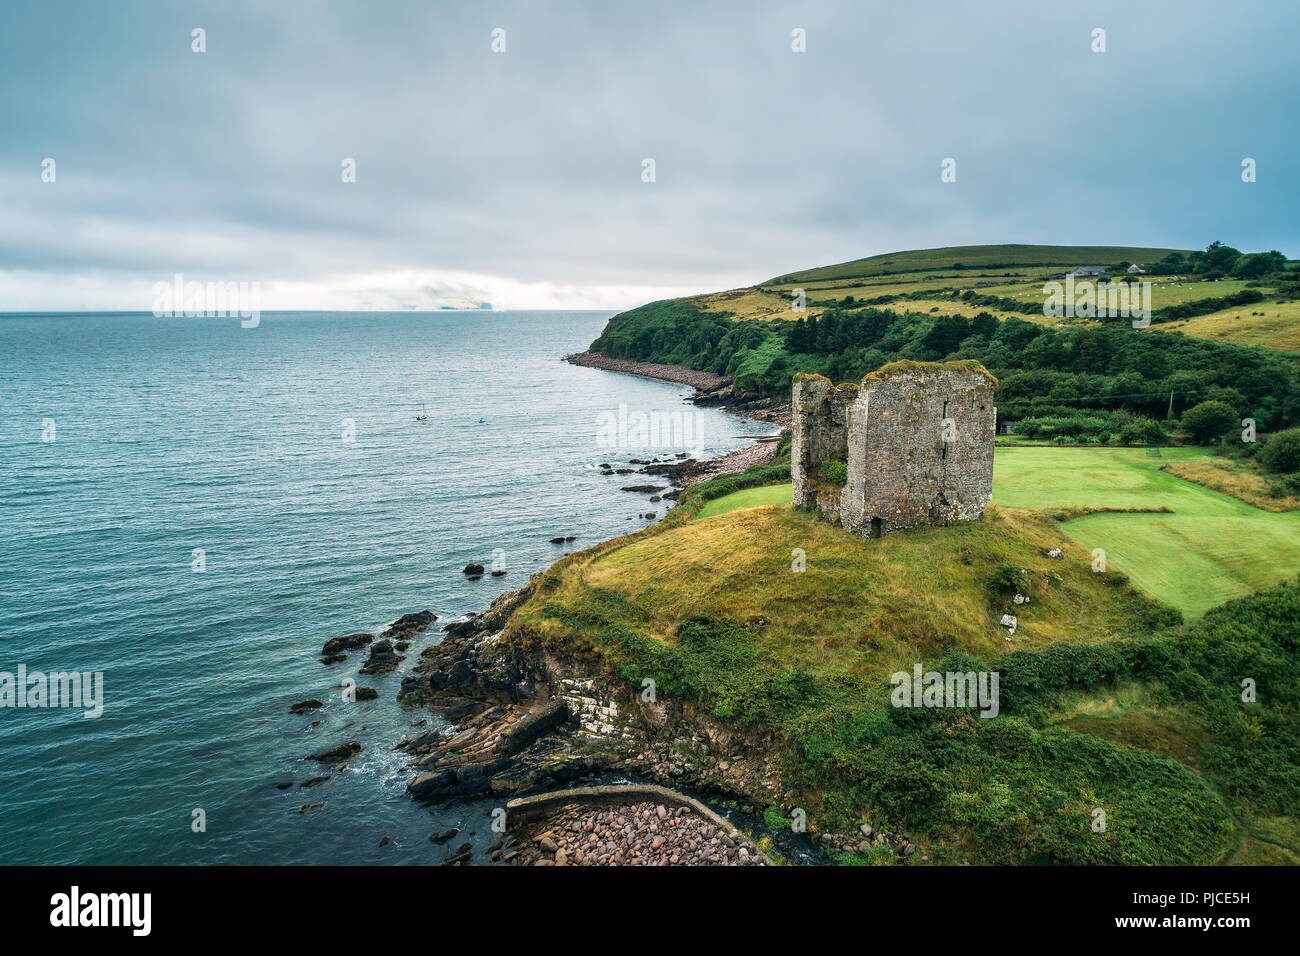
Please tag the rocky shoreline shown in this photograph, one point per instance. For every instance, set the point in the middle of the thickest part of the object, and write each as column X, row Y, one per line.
column 704, row 381
column 531, row 719
column 519, row 719
column 711, row 389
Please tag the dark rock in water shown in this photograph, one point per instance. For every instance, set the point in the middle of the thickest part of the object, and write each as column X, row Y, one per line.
column 442, row 836
column 333, row 658
column 474, row 569
column 402, row 645
column 623, row 471
column 681, row 454
column 468, row 778
column 418, row 619
column 605, row 464
column 559, row 540
column 341, row 752
column 655, row 498
column 316, row 723
column 432, row 784
column 314, row 781
column 383, row 658
column 572, row 537
column 461, row 628
column 367, row 693
column 528, row 776
column 305, row 705
column 349, row 642
column 497, row 574
column 409, row 625
column 644, row 489
column 309, row 807
column 421, row 742
column 284, row 785
column 385, row 841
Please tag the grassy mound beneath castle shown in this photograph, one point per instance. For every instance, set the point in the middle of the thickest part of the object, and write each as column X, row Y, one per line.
column 1106, row 702
column 1205, row 547
column 712, row 610
column 860, row 609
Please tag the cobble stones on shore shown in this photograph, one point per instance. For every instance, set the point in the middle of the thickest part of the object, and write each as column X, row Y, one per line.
column 642, row 834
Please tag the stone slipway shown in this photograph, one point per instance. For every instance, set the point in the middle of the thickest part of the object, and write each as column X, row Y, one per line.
column 525, row 810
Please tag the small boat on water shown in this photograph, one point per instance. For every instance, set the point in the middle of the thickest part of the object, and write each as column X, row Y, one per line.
column 423, row 416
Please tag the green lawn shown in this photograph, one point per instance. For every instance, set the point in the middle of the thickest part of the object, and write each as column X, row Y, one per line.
column 763, row 496
column 1210, row 549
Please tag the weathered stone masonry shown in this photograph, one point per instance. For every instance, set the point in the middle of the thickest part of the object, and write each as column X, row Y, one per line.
column 917, row 438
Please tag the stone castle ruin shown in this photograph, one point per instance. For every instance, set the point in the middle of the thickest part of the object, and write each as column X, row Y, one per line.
column 912, row 445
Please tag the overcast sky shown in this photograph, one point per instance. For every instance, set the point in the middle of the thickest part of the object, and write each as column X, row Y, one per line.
column 516, row 177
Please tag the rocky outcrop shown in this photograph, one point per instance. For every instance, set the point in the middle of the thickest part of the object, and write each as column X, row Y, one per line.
column 383, row 658
column 530, row 718
column 349, row 642
column 408, row 625
column 336, row 754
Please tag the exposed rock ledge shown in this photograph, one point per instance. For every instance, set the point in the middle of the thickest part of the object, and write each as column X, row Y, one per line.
column 531, row 719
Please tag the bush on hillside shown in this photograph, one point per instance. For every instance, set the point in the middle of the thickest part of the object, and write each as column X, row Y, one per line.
column 1281, row 453
column 1142, row 430
column 1210, row 421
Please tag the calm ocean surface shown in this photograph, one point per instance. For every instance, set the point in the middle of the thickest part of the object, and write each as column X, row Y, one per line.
column 175, row 434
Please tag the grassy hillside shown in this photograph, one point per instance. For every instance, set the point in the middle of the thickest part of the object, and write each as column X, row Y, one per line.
column 1101, row 708
column 1274, row 324
column 1233, row 318
column 976, row 258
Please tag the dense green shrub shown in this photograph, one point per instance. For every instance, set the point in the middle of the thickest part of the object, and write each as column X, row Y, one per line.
column 1142, row 430
column 1210, row 421
column 1008, row 578
column 1281, row 452
column 835, row 471
column 1020, row 788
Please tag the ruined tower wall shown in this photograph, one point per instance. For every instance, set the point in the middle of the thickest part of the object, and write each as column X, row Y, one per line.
column 820, row 430
column 901, row 471
column 905, row 467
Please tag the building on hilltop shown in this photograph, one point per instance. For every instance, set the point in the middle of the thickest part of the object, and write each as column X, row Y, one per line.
column 1088, row 272
column 912, row 445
